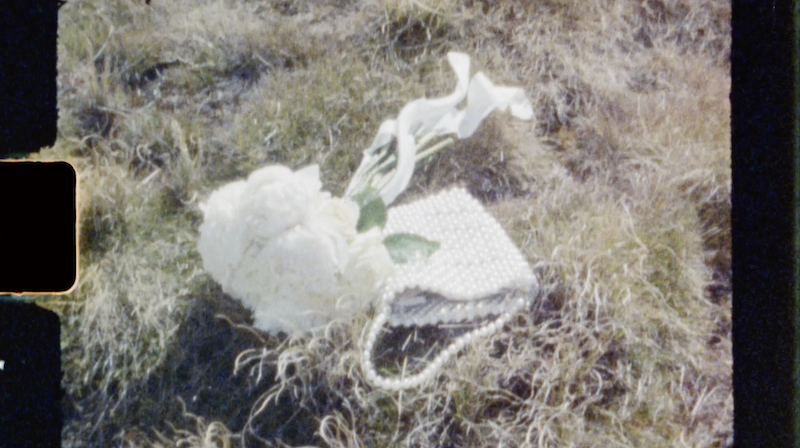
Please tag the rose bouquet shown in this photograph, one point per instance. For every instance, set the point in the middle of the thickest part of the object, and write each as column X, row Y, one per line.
column 289, row 251
column 299, row 257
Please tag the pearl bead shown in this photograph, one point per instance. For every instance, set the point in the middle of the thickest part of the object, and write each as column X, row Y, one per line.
column 435, row 365
column 469, row 337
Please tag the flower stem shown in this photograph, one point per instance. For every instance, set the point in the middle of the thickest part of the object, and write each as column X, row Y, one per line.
column 381, row 173
column 435, row 148
column 392, row 160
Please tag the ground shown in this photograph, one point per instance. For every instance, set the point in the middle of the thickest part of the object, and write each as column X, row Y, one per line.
column 617, row 193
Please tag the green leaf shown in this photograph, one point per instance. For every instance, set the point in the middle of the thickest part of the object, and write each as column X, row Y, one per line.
column 372, row 214
column 365, row 196
column 406, row 247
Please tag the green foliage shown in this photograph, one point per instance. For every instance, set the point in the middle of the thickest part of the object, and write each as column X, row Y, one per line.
column 372, row 214
column 406, row 247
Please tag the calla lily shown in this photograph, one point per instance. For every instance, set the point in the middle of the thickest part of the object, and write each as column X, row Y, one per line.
column 389, row 174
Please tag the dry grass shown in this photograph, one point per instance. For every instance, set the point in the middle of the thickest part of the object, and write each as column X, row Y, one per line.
column 618, row 193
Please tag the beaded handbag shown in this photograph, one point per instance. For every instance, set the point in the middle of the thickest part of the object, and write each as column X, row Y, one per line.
column 476, row 277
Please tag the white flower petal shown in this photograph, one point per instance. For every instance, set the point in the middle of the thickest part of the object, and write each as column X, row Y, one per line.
column 276, row 199
column 386, row 133
column 370, row 264
column 483, row 98
column 310, row 175
column 222, row 224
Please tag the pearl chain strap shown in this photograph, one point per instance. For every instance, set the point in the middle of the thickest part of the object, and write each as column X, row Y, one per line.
column 476, row 274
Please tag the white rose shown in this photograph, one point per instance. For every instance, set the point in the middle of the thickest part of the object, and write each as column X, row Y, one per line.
column 288, row 283
column 343, row 213
column 336, row 218
column 276, row 199
column 370, row 264
column 289, row 251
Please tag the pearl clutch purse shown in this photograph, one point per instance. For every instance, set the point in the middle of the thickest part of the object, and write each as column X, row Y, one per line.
column 476, row 275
